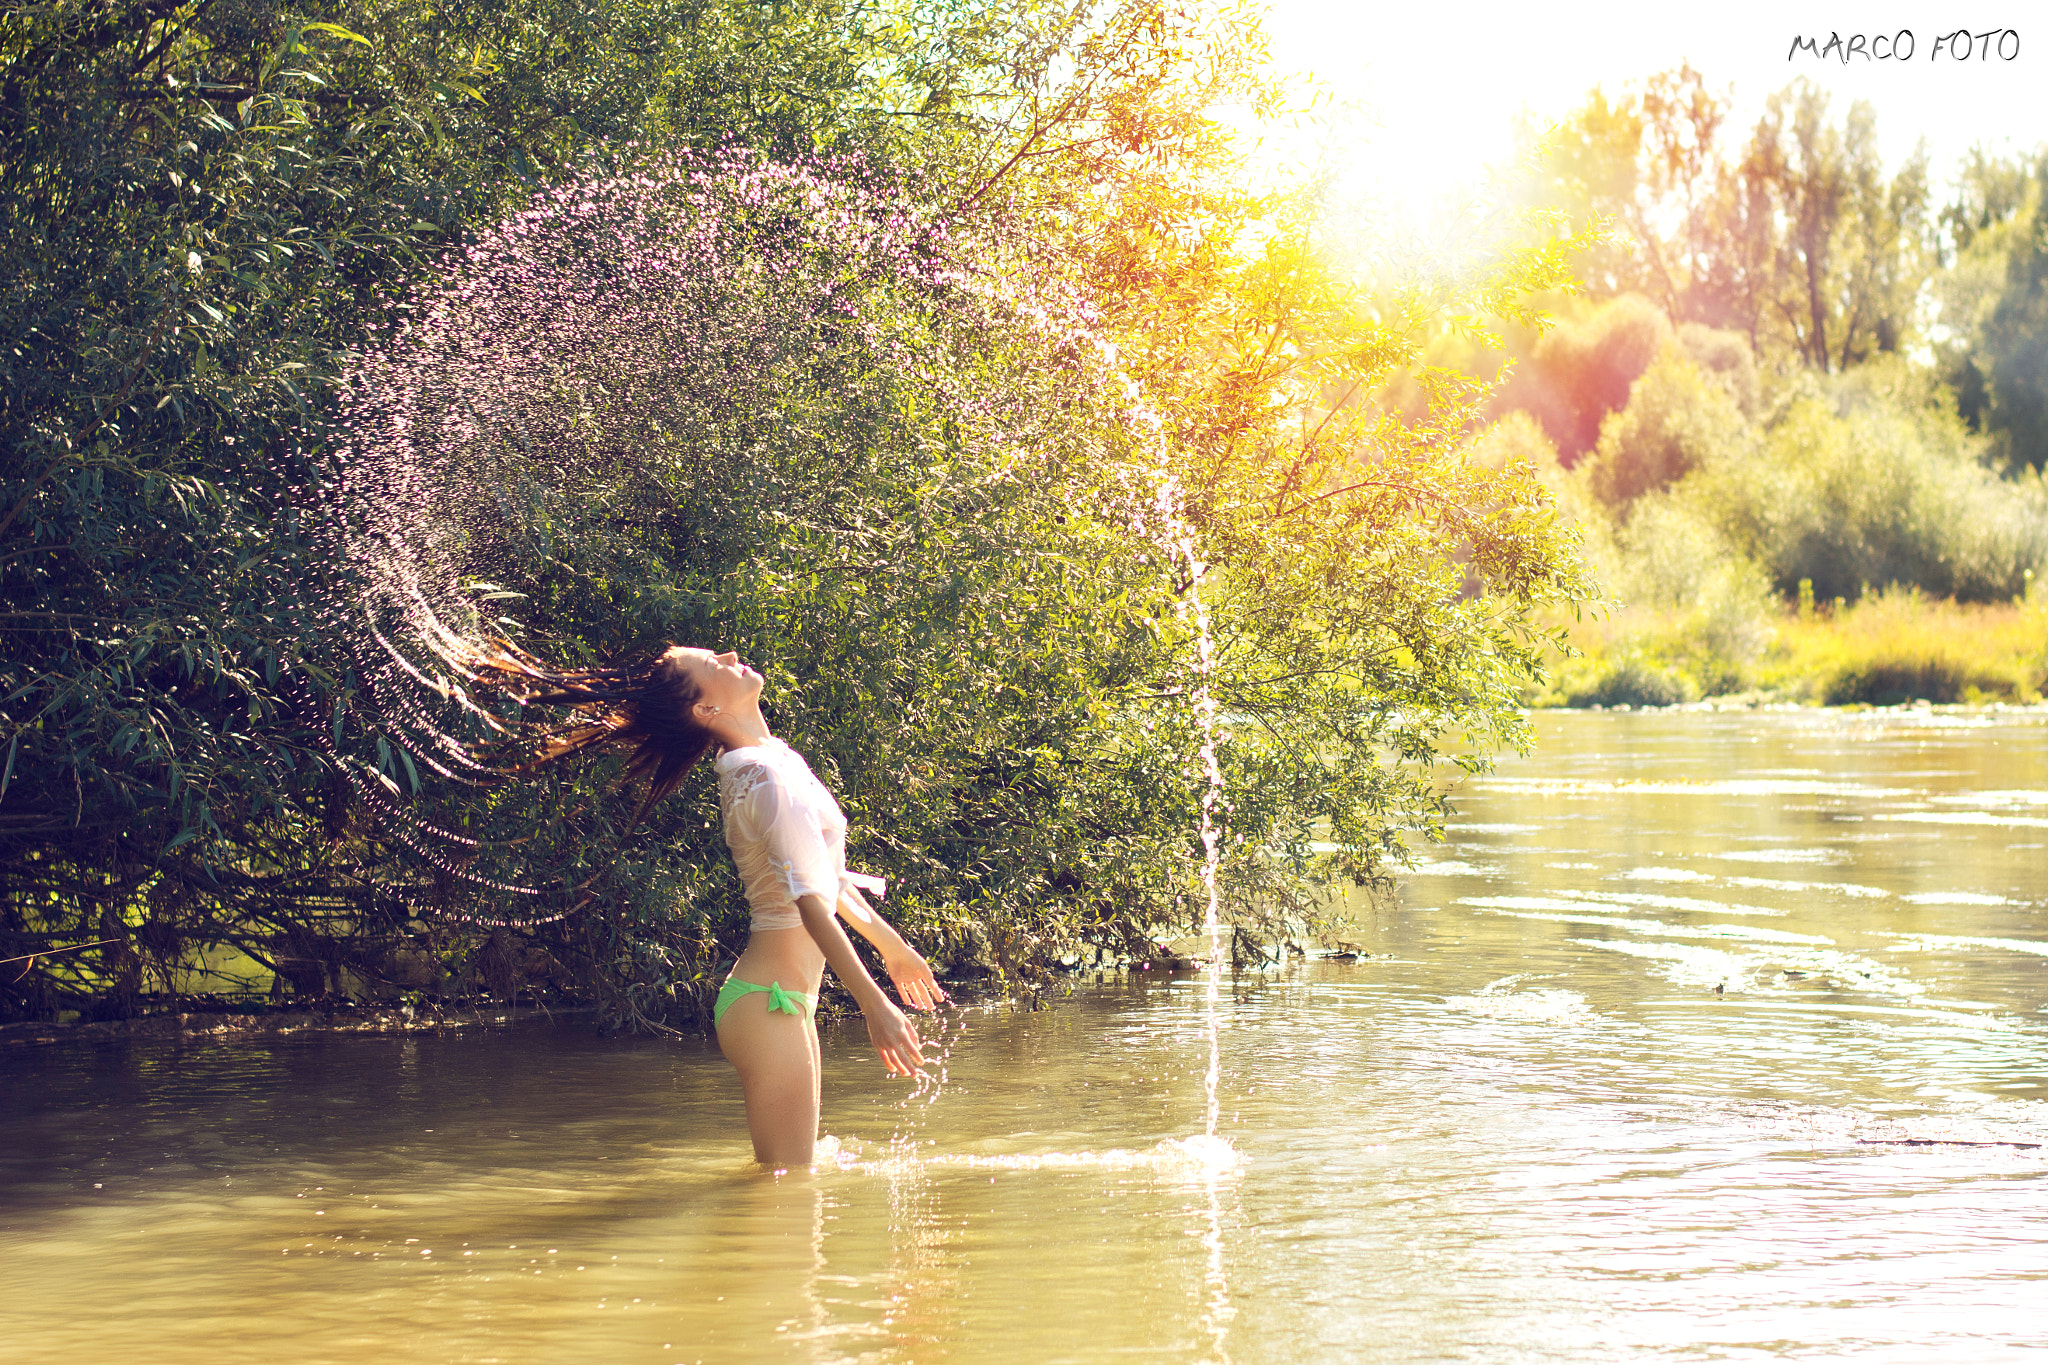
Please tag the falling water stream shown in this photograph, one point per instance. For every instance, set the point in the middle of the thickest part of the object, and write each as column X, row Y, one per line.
column 1219, row 1158
column 1706, row 1036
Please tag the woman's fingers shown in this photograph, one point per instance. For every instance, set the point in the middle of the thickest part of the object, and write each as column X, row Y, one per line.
column 896, row 1042
column 916, row 984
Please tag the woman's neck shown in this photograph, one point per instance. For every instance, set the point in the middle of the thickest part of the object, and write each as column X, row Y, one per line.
column 741, row 729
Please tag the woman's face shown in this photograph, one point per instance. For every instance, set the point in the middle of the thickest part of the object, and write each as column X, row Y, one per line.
column 722, row 680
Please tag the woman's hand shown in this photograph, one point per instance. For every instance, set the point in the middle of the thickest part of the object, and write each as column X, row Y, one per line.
column 914, row 980
column 895, row 1039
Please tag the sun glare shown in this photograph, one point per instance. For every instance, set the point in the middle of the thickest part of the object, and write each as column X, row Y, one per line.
column 1420, row 101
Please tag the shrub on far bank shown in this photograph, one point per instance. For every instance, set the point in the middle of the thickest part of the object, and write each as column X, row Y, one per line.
column 1629, row 680
column 1677, row 420
column 1646, row 656
column 1583, row 369
column 1727, row 357
column 1866, row 481
column 1863, row 491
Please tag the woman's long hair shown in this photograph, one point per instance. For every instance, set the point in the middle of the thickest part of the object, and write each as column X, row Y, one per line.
column 645, row 706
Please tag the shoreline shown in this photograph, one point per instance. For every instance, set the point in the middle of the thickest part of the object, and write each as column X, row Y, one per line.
column 1890, row 648
column 233, row 1024
column 1768, row 701
column 344, row 1017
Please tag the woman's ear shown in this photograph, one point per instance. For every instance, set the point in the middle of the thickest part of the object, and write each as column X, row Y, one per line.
column 703, row 712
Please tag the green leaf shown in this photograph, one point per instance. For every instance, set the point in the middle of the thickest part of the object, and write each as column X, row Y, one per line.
column 337, row 30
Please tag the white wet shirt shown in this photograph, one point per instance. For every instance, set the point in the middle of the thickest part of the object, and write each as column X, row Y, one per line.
column 787, row 835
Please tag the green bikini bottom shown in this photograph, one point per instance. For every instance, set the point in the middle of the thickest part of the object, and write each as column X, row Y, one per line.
column 789, row 1002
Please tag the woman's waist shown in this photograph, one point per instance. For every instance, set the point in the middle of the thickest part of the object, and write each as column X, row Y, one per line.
column 789, row 956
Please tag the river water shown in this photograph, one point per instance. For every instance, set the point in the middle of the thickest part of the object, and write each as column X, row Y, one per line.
column 1708, row 1037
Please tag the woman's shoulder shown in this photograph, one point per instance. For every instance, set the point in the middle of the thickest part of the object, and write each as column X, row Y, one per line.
column 773, row 763
column 745, row 769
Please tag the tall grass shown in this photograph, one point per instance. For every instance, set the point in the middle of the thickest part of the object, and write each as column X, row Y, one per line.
column 1901, row 646
column 1892, row 646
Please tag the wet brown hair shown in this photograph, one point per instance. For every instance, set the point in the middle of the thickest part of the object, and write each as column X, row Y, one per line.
column 645, row 707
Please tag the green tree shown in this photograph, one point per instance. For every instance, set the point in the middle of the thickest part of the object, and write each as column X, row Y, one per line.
column 1801, row 242
column 1994, row 305
column 1375, row 586
column 208, row 206
column 1639, row 165
column 1677, row 420
column 1584, row 368
column 1852, row 258
column 213, row 213
column 1869, row 480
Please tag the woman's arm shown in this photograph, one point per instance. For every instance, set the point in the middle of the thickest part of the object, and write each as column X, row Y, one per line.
column 906, row 966
column 895, row 1040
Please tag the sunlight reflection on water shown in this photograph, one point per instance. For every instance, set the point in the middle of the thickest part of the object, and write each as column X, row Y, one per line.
column 1564, row 1116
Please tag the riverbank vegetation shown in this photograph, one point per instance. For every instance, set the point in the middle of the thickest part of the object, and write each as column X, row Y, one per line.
column 1800, row 412
column 1884, row 649
column 984, row 620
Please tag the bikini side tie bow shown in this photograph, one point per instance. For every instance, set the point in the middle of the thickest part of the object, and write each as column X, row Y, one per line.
column 780, row 999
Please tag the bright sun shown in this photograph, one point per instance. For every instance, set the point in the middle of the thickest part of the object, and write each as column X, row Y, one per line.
column 1436, row 89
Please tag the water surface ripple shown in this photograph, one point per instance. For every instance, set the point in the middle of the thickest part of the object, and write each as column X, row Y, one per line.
column 1703, row 1041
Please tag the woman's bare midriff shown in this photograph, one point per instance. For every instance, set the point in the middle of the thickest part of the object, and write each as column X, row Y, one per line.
column 789, row 957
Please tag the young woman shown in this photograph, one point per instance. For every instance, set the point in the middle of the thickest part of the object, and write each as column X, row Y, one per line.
column 788, row 838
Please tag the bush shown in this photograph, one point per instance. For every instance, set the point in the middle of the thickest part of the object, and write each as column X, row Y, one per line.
column 1888, row 682
column 1677, row 420
column 737, row 402
column 963, row 547
column 1729, row 359
column 1630, row 681
column 1584, row 369
column 1860, row 485
column 1516, row 439
column 188, row 263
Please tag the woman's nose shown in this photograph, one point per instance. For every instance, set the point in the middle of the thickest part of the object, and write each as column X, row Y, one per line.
column 731, row 656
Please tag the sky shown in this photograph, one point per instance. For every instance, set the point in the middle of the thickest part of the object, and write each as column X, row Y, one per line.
column 1439, row 85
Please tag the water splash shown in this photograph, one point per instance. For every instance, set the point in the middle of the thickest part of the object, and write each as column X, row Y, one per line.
column 581, row 365
column 940, row 1031
column 583, row 362
column 1166, row 519
column 1212, row 855
column 562, row 407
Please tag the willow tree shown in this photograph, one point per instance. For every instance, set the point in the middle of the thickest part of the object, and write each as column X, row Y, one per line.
column 1374, row 589
column 208, row 206
column 213, row 214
